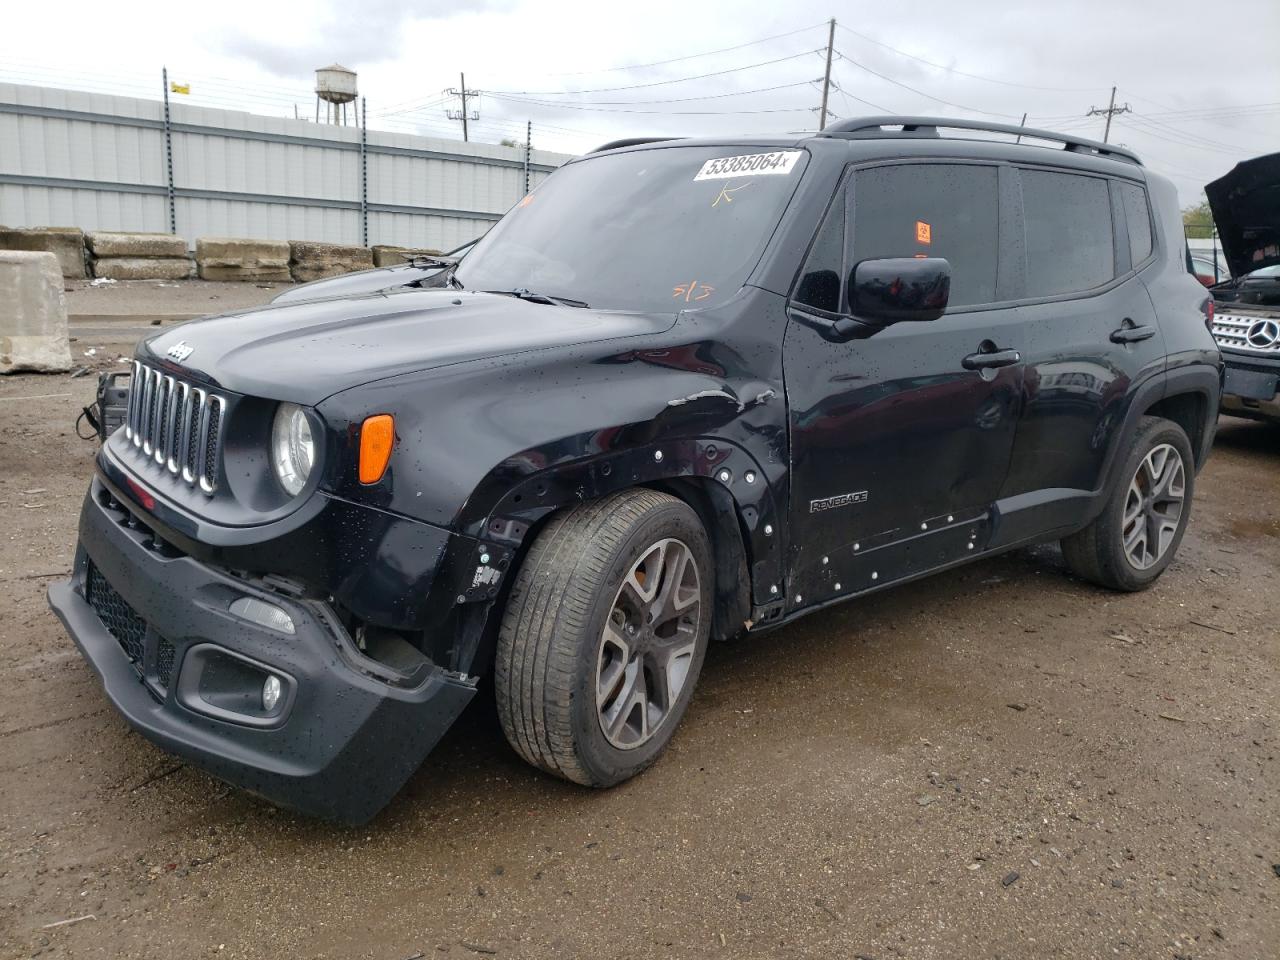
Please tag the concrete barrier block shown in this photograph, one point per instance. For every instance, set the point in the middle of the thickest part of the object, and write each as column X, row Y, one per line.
column 306, row 272
column 33, row 313
column 244, row 274
column 309, row 250
column 385, row 255
column 143, row 268
column 232, row 258
column 65, row 243
column 105, row 244
column 315, row 261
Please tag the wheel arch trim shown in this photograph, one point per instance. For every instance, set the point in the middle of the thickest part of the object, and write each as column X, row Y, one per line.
column 723, row 483
column 1197, row 380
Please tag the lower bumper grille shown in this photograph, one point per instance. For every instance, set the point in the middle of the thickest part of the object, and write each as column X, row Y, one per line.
column 129, row 629
column 120, row 619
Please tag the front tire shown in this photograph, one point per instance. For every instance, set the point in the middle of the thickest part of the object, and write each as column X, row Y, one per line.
column 604, row 635
column 1137, row 534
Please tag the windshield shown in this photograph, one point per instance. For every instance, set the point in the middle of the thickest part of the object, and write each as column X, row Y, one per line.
column 656, row 230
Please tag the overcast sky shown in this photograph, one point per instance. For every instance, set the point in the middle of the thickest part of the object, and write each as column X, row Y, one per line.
column 1197, row 107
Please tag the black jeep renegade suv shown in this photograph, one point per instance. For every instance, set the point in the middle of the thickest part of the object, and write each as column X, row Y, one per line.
column 685, row 389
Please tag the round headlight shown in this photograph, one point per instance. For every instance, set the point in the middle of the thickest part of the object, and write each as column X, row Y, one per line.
column 293, row 451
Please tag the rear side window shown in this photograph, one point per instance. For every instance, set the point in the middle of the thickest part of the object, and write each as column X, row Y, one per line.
column 820, row 283
column 1138, row 217
column 1068, row 226
column 931, row 210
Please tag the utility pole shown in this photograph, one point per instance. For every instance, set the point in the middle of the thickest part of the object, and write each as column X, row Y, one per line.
column 826, row 79
column 1110, row 112
column 462, row 78
column 464, row 114
column 1022, row 124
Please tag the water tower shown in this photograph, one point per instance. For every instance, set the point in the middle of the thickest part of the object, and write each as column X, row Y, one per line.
column 336, row 86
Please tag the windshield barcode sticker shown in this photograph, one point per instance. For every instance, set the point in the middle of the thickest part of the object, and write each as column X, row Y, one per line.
column 749, row 165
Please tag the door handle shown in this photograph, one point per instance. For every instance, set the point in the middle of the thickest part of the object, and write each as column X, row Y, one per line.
column 1128, row 333
column 988, row 361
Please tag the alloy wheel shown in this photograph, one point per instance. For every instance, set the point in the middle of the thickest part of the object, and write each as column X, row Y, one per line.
column 648, row 644
column 1154, row 505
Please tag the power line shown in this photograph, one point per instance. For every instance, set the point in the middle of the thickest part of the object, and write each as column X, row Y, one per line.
column 709, row 96
column 657, row 83
column 1162, row 163
column 1204, row 113
column 1138, row 125
column 849, row 96
column 411, row 104
column 1195, row 137
column 542, row 124
column 962, row 73
column 692, row 56
column 921, row 93
column 675, row 113
column 421, row 105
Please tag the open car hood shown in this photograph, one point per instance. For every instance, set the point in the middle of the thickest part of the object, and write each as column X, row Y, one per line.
column 357, row 284
column 1246, row 211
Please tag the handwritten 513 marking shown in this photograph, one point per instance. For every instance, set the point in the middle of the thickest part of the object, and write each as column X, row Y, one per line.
column 692, row 291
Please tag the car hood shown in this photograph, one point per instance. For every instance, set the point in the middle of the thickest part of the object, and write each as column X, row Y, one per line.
column 305, row 352
column 1246, row 211
column 354, row 284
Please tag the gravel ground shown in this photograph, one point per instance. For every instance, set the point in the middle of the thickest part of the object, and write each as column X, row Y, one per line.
column 999, row 761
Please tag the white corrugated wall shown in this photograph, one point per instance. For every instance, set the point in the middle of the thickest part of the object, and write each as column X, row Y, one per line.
column 97, row 162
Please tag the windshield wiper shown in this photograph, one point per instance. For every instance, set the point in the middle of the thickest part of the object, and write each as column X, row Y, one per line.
column 520, row 293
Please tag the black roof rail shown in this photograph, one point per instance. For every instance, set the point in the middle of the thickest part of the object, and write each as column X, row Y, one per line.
column 630, row 142
column 927, row 127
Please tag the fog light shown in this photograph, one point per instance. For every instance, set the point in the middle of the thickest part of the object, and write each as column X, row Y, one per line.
column 263, row 613
column 271, row 693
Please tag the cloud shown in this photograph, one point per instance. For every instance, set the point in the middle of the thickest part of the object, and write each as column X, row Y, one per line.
column 353, row 34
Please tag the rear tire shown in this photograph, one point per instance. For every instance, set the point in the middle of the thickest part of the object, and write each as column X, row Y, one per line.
column 1135, row 537
column 591, row 679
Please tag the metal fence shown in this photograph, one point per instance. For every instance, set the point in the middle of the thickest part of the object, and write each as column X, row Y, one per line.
column 102, row 162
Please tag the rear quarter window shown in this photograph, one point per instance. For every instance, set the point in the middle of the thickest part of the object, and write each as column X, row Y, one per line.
column 1137, row 212
column 1069, row 243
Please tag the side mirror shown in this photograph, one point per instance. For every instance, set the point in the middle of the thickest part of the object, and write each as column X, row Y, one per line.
column 898, row 289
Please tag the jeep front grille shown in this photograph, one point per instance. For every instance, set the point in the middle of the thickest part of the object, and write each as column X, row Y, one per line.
column 177, row 426
column 1233, row 331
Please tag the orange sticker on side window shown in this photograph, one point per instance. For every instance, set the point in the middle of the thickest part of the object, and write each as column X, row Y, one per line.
column 924, row 233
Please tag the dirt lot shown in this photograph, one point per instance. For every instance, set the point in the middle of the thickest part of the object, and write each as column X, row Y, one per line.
column 996, row 762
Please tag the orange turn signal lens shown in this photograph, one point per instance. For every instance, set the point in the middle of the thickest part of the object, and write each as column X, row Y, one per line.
column 377, row 437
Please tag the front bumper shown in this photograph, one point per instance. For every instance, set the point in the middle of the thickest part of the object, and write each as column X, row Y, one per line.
column 1250, row 386
column 186, row 673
